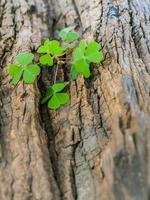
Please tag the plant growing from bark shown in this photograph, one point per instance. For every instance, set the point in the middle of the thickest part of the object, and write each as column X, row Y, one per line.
column 76, row 54
column 24, row 69
column 55, row 96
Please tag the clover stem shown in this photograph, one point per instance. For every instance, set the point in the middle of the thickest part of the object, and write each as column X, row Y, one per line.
column 55, row 76
column 63, row 59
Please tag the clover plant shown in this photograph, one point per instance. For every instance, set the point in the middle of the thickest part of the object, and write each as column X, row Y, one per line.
column 78, row 55
column 24, row 69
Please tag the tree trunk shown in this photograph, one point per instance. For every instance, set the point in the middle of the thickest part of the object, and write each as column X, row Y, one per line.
column 97, row 147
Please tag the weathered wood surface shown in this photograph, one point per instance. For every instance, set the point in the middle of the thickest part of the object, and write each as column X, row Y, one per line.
column 98, row 147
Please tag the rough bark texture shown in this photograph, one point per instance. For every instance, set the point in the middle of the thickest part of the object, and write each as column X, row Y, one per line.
column 98, row 147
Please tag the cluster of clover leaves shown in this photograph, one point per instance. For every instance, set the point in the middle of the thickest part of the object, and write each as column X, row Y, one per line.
column 78, row 54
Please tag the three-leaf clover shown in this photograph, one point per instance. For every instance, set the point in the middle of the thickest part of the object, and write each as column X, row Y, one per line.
column 55, row 96
column 24, row 69
column 67, row 35
column 50, row 49
column 83, row 56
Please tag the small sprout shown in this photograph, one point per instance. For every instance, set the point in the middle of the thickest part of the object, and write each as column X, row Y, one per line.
column 55, row 97
column 24, row 69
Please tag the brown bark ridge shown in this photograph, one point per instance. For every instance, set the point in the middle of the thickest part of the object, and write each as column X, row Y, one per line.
column 98, row 147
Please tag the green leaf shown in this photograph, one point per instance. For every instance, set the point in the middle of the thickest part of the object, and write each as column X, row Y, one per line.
column 93, row 46
column 17, row 77
column 13, row 69
column 55, row 48
column 74, row 73
column 51, row 47
column 57, row 87
column 47, row 42
column 95, row 57
column 47, row 96
column 57, row 100
column 82, row 45
column 16, row 73
column 47, row 46
column 92, row 52
column 42, row 49
column 54, row 102
column 82, row 67
column 63, row 33
column 30, row 73
column 24, row 58
column 67, row 34
column 63, row 98
column 72, row 36
column 46, row 60
column 52, row 91
column 78, row 54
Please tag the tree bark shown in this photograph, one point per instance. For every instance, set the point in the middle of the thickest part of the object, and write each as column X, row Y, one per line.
column 98, row 146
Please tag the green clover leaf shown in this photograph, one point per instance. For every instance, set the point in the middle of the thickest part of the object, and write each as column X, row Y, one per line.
column 63, row 33
column 17, row 78
column 67, row 35
column 57, row 100
column 92, row 52
column 46, row 60
column 74, row 73
column 28, row 71
column 72, row 36
column 82, row 67
column 57, row 87
column 55, row 97
column 24, row 58
column 78, row 54
column 47, row 96
column 50, row 49
column 16, row 73
column 83, row 55
column 82, row 45
column 13, row 69
column 55, row 48
column 42, row 49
